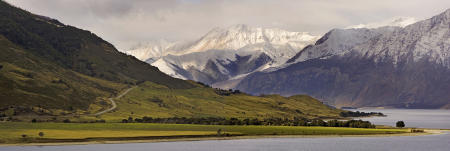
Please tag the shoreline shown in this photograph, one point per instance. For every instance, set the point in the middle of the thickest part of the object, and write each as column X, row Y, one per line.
column 211, row 138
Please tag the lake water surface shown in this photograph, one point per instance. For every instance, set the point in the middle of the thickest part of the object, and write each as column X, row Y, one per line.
column 415, row 118
column 393, row 143
column 412, row 117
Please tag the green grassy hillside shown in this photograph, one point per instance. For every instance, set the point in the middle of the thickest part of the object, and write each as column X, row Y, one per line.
column 28, row 81
column 76, row 49
column 46, row 65
column 153, row 100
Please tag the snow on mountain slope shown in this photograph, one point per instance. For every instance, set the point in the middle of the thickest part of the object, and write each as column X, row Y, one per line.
column 240, row 36
column 428, row 38
column 404, row 67
column 217, row 65
column 168, row 69
column 152, row 49
column 224, row 52
column 339, row 42
column 272, row 41
column 396, row 22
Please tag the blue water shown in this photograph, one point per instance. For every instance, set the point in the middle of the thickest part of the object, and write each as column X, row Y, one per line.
column 412, row 117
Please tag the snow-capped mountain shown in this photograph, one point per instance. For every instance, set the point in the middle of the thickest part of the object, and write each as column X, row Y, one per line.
column 339, row 42
column 151, row 49
column 395, row 22
column 266, row 40
column 224, row 53
column 428, row 38
column 406, row 67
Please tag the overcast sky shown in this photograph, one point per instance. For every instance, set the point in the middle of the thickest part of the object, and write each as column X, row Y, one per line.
column 126, row 22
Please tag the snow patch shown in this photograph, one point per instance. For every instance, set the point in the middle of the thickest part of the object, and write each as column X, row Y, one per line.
column 167, row 68
column 396, row 22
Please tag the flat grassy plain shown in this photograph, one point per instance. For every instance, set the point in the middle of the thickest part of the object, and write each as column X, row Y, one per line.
column 11, row 132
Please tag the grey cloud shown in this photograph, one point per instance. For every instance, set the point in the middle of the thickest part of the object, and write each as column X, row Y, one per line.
column 126, row 22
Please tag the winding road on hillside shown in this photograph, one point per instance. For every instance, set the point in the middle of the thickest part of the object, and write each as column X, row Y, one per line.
column 114, row 105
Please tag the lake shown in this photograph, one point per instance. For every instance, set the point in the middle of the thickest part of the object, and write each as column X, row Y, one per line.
column 413, row 118
column 395, row 143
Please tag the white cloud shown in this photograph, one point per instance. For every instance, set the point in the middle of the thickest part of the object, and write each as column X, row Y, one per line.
column 126, row 22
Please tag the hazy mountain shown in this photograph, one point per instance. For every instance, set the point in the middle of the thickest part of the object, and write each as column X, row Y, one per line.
column 406, row 67
column 223, row 54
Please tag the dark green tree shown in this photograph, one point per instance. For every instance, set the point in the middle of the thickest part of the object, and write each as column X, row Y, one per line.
column 219, row 132
column 66, row 121
column 400, row 124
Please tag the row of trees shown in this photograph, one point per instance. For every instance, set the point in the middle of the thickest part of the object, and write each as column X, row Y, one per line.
column 226, row 92
column 360, row 114
column 254, row 121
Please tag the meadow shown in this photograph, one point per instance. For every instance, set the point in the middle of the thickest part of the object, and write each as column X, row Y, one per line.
column 158, row 101
column 13, row 132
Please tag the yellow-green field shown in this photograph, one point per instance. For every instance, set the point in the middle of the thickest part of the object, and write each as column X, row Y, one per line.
column 153, row 100
column 76, row 132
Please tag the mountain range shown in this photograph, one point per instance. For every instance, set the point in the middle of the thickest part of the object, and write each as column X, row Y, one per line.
column 224, row 53
column 401, row 67
column 401, row 63
column 53, row 72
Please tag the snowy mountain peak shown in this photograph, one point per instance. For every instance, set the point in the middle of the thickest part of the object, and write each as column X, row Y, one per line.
column 272, row 41
column 239, row 36
column 151, row 49
column 396, row 22
column 428, row 39
column 224, row 53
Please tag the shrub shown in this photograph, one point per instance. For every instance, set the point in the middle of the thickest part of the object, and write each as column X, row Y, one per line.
column 400, row 124
column 219, row 132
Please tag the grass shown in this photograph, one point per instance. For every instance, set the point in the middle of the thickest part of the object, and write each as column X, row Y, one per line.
column 28, row 81
column 62, row 69
column 11, row 132
column 153, row 100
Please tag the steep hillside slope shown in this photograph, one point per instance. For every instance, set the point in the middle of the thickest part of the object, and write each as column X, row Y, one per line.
column 46, row 64
column 388, row 66
column 30, row 81
column 76, row 49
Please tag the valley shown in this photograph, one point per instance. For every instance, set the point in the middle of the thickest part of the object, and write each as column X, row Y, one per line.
column 61, row 84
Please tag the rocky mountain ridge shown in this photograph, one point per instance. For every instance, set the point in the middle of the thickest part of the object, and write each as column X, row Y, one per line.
column 388, row 66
